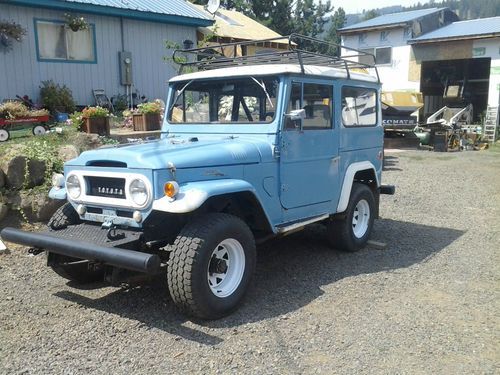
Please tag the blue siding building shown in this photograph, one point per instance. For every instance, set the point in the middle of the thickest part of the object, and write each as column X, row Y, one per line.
column 90, row 59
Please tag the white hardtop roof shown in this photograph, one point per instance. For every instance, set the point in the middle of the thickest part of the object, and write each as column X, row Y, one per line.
column 261, row 70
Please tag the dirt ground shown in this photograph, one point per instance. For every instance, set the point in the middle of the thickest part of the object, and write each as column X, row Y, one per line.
column 428, row 303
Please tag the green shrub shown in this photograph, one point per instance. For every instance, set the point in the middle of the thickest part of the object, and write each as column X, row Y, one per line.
column 76, row 120
column 57, row 98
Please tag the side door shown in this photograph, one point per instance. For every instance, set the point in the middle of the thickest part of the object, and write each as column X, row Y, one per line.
column 309, row 146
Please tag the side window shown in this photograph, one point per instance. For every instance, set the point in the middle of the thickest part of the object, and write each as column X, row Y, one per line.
column 359, row 106
column 316, row 101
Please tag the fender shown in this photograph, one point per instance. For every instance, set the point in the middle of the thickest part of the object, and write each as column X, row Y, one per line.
column 349, row 179
column 58, row 193
column 193, row 194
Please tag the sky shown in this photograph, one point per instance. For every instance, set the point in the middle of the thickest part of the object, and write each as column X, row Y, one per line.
column 355, row 6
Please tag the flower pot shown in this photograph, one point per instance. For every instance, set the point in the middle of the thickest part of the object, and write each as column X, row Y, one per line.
column 146, row 122
column 97, row 125
column 153, row 121
column 138, row 122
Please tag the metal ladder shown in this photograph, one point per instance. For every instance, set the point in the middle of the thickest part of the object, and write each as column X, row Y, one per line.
column 491, row 124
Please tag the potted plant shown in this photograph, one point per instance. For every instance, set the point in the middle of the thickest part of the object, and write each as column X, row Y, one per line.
column 10, row 32
column 95, row 120
column 147, row 117
column 76, row 23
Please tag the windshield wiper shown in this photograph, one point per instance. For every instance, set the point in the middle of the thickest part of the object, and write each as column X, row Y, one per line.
column 263, row 87
column 179, row 93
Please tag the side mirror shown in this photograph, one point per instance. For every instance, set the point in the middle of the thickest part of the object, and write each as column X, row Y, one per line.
column 296, row 114
column 293, row 120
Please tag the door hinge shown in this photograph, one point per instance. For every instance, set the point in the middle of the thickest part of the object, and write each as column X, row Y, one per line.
column 276, row 152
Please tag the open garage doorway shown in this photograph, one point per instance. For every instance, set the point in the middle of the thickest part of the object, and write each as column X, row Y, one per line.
column 455, row 83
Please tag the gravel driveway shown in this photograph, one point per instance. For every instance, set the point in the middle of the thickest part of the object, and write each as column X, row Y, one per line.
column 428, row 303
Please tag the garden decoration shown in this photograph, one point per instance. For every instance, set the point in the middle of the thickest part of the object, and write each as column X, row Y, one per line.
column 16, row 114
column 10, row 31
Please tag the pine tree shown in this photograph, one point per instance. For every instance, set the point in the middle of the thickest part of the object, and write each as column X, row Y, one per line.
column 337, row 22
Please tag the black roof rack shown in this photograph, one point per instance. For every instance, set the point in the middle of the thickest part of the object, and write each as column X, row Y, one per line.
column 300, row 49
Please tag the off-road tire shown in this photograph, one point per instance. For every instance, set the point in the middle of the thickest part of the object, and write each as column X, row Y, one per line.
column 190, row 258
column 74, row 269
column 70, row 268
column 64, row 216
column 340, row 228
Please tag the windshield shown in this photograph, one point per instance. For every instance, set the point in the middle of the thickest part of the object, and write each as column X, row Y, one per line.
column 224, row 101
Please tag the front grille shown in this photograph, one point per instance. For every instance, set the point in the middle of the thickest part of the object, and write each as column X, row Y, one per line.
column 106, row 187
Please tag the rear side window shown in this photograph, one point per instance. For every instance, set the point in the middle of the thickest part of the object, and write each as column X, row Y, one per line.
column 359, row 106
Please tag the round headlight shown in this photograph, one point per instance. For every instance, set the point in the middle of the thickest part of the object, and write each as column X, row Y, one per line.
column 138, row 192
column 73, row 187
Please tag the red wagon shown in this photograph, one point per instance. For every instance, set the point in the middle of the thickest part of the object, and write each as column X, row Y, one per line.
column 39, row 125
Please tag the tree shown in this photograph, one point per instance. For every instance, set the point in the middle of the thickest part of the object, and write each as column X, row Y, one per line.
column 337, row 22
column 238, row 5
column 309, row 18
column 372, row 13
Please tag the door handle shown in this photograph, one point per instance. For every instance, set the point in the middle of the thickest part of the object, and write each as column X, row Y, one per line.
column 335, row 159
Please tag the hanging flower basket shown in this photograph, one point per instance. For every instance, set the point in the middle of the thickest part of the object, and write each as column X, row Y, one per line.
column 75, row 23
column 10, row 32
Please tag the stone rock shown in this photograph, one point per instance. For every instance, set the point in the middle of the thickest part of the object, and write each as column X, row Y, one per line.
column 36, row 169
column 4, row 209
column 35, row 207
column 15, row 172
column 47, row 208
column 2, row 179
column 68, row 152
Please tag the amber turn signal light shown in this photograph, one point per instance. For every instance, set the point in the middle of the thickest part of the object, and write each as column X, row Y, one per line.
column 171, row 188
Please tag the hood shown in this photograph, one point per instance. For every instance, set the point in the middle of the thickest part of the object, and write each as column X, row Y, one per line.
column 181, row 152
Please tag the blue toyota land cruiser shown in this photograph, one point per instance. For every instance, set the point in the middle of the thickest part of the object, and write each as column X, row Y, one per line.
column 252, row 147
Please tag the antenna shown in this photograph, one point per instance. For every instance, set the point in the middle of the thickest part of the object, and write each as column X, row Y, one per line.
column 212, row 6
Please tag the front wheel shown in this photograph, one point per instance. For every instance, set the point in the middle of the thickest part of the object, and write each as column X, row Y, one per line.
column 73, row 269
column 211, row 264
column 352, row 231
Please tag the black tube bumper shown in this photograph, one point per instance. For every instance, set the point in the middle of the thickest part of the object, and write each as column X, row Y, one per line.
column 387, row 189
column 122, row 258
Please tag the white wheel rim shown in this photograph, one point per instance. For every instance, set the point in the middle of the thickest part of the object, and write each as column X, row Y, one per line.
column 361, row 218
column 4, row 135
column 39, row 130
column 226, row 268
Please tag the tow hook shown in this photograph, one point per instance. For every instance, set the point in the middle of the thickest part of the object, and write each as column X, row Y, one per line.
column 113, row 235
column 35, row 251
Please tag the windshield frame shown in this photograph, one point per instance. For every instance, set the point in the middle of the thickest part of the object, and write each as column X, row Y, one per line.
column 226, row 127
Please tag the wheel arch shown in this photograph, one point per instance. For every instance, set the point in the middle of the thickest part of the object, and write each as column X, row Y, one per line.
column 363, row 172
column 236, row 197
column 243, row 204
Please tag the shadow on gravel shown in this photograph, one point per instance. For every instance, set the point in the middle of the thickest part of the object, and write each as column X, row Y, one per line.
column 390, row 163
column 290, row 273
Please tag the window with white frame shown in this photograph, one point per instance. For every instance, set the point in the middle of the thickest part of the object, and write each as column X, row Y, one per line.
column 57, row 42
